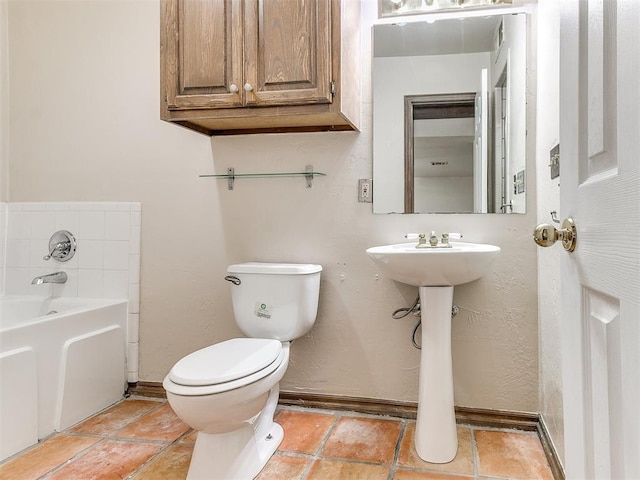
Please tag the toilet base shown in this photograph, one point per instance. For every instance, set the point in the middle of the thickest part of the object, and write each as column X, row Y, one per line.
column 234, row 455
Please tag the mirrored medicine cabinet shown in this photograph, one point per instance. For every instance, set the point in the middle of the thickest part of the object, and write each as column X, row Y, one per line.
column 449, row 115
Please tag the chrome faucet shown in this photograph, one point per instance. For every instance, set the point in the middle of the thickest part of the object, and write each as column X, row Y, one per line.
column 433, row 239
column 57, row 277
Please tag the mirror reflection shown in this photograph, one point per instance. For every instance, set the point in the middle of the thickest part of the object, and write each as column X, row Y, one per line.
column 449, row 101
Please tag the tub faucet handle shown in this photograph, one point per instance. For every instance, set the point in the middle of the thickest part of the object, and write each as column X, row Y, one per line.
column 60, row 246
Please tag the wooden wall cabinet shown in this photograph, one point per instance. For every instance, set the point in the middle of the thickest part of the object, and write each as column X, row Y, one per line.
column 250, row 66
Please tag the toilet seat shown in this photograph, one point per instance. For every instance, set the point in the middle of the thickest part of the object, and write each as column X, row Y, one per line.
column 224, row 366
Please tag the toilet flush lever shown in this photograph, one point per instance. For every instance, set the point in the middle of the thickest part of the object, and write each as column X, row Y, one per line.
column 232, row 279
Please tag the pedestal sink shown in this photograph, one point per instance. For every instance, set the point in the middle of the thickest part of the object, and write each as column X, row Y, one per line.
column 435, row 271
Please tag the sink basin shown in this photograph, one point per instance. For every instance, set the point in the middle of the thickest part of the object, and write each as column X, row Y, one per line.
column 434, row 267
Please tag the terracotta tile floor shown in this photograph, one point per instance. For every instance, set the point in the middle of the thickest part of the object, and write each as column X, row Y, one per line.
column 142, row 439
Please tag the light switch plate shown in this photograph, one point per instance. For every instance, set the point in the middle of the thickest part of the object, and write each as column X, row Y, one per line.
column 520, row 181
column 554, row 162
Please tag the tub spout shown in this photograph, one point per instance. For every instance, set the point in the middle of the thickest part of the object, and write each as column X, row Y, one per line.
column 57, row 277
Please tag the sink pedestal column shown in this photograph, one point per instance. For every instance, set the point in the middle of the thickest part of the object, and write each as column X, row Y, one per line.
column 436, row 439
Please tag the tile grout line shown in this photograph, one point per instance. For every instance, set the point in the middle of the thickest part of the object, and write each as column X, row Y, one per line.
column 117, row 439
column 316, row 455
column 474, row 454
column 183, row 436
column 112, row 437
column 175, row 442
column 341, row 413
column 140, row 416
column 396, row 454
column 433, row 471
column 69, row 461
column 284, row 453
column 133, row 419
column 519, row 431
column 148, row 462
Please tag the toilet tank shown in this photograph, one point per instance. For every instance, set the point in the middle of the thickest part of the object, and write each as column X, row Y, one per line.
column 275, row 300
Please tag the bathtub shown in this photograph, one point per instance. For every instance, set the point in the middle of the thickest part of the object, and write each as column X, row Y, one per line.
column 61, row 360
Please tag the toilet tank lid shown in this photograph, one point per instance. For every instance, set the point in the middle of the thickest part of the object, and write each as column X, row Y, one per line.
column 226, row 361
column 275, row 268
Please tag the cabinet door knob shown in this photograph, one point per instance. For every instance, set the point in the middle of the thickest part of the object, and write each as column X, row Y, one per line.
column 247, row 87
column 233, row 88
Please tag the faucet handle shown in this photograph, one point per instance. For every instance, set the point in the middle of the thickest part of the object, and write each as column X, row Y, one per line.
column 421, row 237
column 60, row 246
column 447, row 236
column 451, row 236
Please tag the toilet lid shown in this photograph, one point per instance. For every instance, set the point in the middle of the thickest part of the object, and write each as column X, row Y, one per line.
column 226, row 361
column 275, row 268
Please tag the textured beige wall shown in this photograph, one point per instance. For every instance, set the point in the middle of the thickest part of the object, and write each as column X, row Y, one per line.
column 4, row 104
column 84, row 126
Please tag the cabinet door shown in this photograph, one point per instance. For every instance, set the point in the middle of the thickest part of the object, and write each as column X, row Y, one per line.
column 287, row 52
column 203, row 58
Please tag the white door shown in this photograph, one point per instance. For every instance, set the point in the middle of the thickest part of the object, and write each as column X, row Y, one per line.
column 480, row 145
column 600, row 189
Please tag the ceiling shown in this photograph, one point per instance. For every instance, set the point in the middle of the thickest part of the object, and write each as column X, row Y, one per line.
column 442, row 37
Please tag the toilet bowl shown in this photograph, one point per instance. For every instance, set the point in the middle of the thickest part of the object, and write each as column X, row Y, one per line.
column 234, row 419
column 228, row 392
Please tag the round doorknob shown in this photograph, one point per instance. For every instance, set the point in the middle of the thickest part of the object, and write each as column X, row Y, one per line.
column 233, row 88
column 546, row 235
column 247, row 87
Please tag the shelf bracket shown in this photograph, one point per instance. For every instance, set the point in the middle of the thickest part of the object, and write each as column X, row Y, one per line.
column 231, row 177
column 309, row 175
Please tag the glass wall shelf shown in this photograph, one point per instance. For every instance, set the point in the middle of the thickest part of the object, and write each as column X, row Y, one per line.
column 231, row 176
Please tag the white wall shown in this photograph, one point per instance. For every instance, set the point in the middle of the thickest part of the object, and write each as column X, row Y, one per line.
column 512, row 57
column 444, row 188
column 549, row 259
column 443, row 194
column 85, row 127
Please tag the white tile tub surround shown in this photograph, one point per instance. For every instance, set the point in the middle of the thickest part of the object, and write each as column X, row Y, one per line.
column 106, row 263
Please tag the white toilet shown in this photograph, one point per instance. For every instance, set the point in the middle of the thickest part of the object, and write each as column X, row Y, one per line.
column 228, row 392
